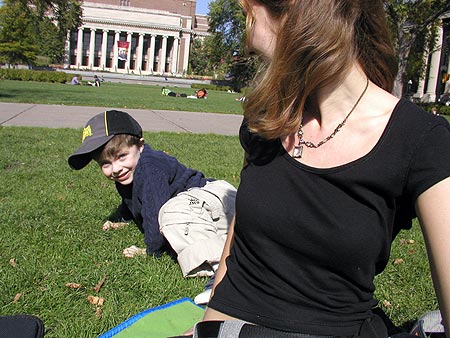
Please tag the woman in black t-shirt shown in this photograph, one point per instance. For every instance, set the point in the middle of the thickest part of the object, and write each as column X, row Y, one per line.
column 335, row 167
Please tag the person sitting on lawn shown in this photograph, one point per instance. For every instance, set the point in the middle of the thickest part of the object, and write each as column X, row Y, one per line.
column 96, row 82
column 75, row 81
column 177, row 208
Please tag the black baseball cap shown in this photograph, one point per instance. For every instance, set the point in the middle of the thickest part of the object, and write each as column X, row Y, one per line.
column 98, row 131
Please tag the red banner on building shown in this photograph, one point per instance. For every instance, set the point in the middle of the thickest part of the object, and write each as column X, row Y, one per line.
column 123, row 50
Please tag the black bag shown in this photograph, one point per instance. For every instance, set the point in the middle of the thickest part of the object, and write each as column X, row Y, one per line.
column 21, row 326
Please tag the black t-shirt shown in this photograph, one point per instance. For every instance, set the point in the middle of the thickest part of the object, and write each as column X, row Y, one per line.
column 308, row 242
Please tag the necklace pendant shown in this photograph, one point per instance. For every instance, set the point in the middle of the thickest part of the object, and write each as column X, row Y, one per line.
column 298, row 151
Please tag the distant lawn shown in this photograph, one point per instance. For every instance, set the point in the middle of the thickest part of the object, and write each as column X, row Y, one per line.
column 117, row 95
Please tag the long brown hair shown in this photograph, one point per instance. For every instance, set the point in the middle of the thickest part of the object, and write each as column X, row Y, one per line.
column 317, row 42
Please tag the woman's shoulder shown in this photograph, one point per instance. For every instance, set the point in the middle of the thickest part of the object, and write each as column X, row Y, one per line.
column 413, row 119
column 415, row 133
column 257, row 148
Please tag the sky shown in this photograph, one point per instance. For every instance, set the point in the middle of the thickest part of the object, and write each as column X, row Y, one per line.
column 202, row 7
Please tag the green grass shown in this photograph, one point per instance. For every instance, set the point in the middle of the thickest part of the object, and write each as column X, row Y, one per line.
column 51, row 217
column 51, row 221
column 117, row 95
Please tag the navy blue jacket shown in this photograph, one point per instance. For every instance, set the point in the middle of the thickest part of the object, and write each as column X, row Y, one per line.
column 157, row 178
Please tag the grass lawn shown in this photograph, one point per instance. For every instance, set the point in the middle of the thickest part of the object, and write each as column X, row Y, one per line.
column 117, row 95
column 51, row 235
column 51, row 218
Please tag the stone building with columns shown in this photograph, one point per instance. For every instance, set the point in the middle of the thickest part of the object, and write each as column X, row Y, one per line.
column 437, row 79
column 135, row 36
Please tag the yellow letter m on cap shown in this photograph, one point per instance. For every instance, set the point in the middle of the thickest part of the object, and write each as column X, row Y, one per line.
column 86, row 132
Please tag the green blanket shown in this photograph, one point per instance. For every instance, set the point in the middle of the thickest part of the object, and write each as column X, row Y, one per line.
column 163, row 321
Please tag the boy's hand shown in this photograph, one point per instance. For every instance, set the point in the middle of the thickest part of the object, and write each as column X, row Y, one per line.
column 110, row 225
column 133, row 251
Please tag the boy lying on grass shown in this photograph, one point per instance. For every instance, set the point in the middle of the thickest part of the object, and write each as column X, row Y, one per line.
column 176, row 207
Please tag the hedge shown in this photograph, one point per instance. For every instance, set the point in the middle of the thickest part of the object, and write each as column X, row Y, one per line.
column 35, row 75
column 210, row 87
column 442, row 110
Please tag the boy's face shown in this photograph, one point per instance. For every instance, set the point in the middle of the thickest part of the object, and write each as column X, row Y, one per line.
column 120, row 167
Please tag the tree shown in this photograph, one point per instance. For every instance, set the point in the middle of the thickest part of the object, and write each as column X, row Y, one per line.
column 47, row 24
column 54, row 18
column 227, row 28
column 66, row 14
column 411, row 21
column 198, row 60
column 17, row 35
column 51, row 44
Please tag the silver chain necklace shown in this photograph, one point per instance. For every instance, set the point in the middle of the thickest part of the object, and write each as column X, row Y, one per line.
column 298, row 149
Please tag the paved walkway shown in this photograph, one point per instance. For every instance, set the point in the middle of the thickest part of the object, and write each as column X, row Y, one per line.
column 56, row 116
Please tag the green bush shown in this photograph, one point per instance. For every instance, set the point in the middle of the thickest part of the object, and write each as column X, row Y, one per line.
column 35, row 75
column 210, row 87
column 443, row 110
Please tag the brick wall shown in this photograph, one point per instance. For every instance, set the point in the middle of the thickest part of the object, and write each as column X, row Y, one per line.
column 183, row 7
column 201, row 23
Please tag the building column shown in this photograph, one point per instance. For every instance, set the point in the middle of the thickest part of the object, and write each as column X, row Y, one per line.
column 104, row 49
column 151, row 56
column 91, row 49
column 67, row 51
column 421, row 84
column 187, row 40
column 128, row 62
column 80, row 47
column 140, row 52
column 434, row 69
column 116, row 51
column 162, row 56
column 420, row 88
column 174, row 65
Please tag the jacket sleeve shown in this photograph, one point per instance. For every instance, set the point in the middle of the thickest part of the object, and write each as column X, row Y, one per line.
column 155, row 192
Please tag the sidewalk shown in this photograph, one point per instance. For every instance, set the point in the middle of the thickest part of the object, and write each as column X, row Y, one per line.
column 56, row 116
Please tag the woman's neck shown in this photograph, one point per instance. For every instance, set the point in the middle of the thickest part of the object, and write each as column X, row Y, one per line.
column 334, row 102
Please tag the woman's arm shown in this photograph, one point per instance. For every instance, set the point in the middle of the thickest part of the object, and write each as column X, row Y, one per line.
column 433, row 211
column 211, row 314
column 220, row 273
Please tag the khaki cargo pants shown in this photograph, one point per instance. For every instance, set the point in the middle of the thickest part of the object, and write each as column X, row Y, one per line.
column 195, row 223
